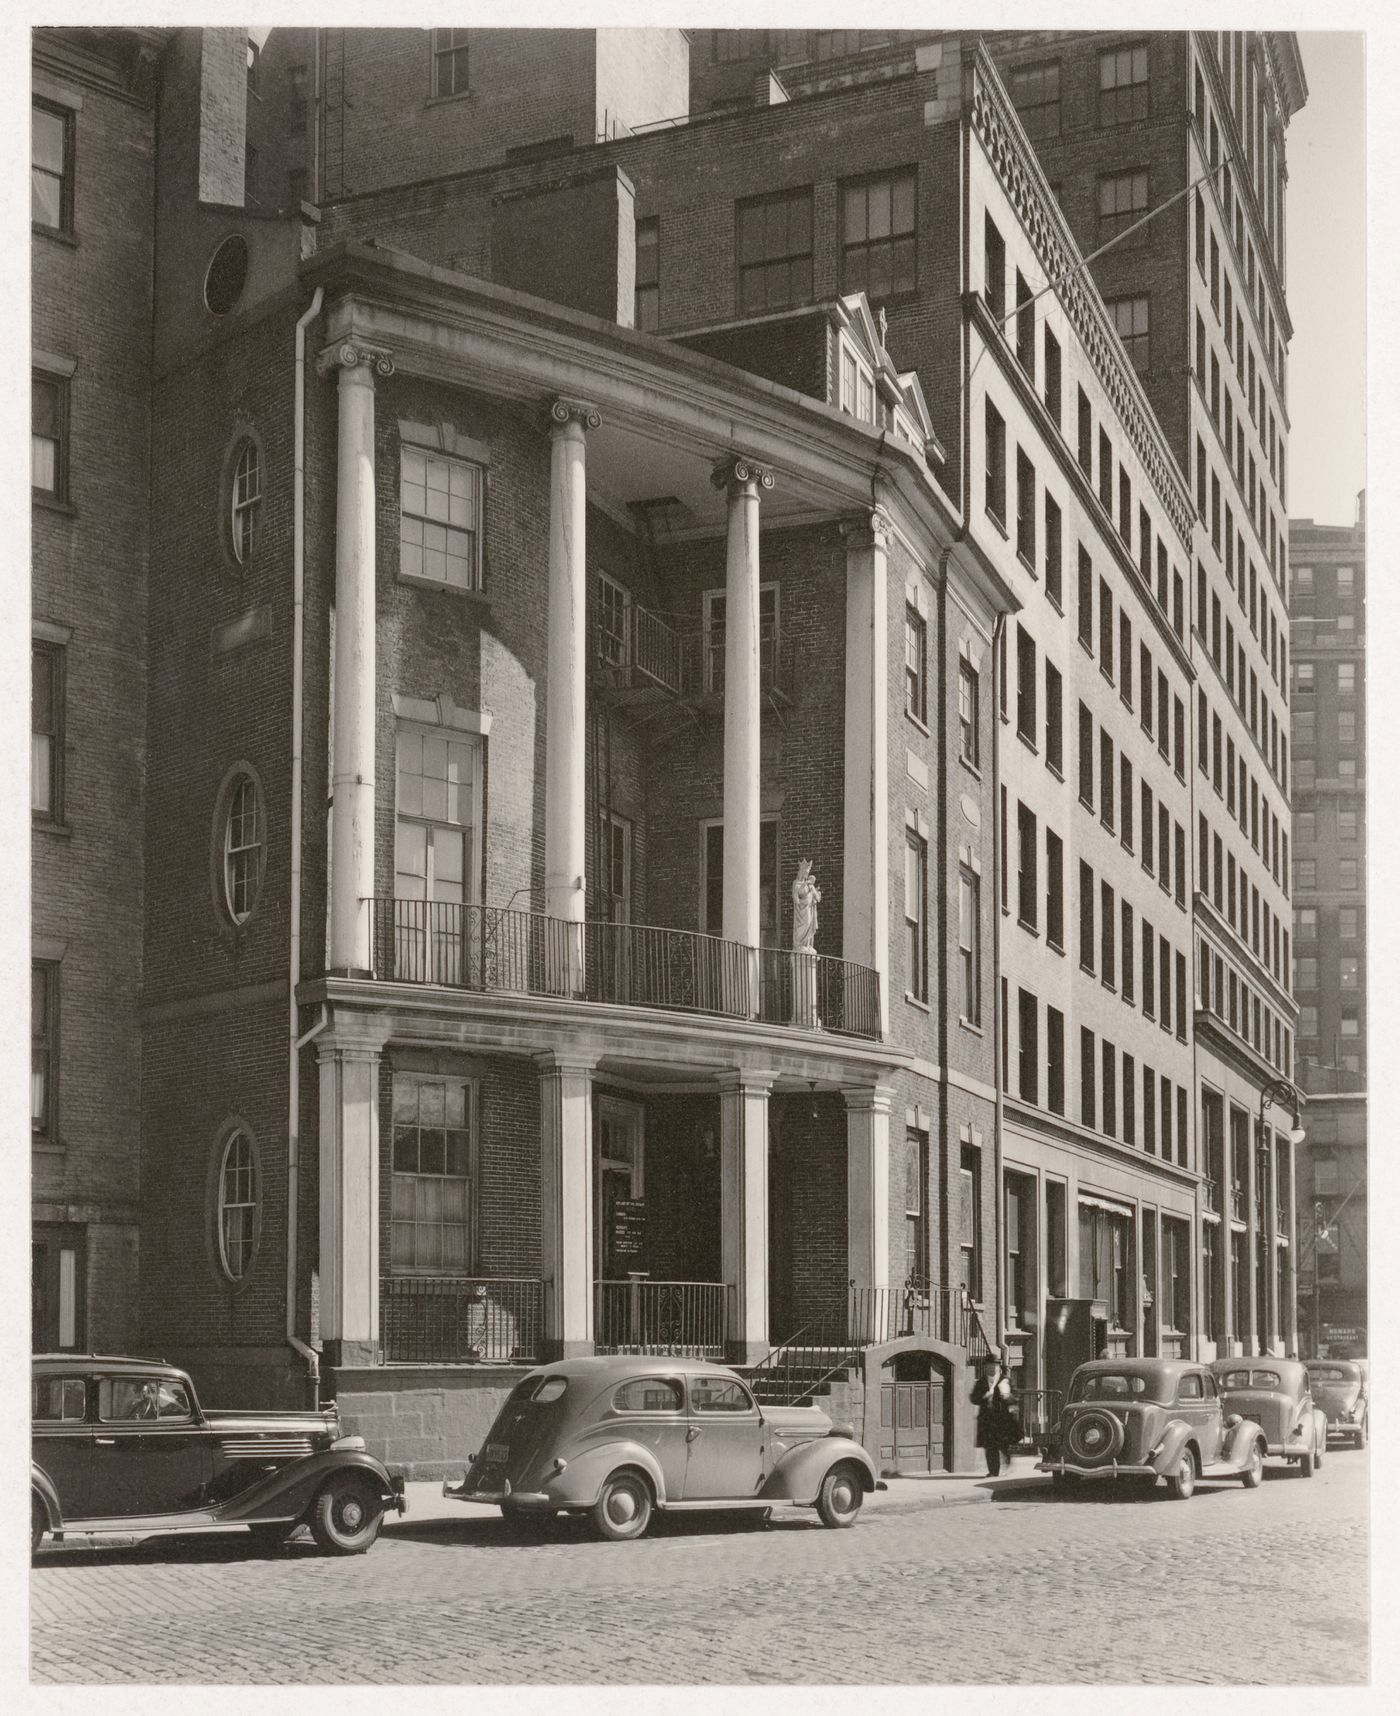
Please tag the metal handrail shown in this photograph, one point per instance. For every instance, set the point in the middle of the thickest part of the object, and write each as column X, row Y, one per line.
column 462, row 1319
column 638, row 1315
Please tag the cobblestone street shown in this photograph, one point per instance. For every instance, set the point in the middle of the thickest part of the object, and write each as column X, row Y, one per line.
column 930, row 1586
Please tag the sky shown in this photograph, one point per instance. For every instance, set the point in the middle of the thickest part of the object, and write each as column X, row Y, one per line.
column 1326, row 216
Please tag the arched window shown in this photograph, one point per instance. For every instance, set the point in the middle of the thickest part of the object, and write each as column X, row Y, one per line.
column 238, row 1205
column 245, row 500
column 243, row 847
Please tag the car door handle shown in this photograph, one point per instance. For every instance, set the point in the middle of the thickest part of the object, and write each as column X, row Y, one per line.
column 692, row 1433
column 105, row 1441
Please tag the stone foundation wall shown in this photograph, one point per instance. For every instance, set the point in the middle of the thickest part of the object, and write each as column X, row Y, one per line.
column 422, row 1422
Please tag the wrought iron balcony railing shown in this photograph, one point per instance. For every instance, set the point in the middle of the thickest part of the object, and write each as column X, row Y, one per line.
column 460, row 1319
column 489, row 949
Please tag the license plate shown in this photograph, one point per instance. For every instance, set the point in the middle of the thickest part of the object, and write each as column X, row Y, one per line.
column 497, row 1453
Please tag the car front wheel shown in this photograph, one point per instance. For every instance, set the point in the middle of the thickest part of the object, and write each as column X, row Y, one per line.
column 839, row 1498
column 623, row 1509
column 1181, row 1480
column 346, row 1517
column 1253, row 1474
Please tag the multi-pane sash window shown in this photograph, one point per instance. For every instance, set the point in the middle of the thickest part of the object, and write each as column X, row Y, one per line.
column 48, row 463
column 51, row 167
column 916, row 913
column 450, row 62
column 995, row 484
column 243, row 848
column 1122, row 200
column 774, row 249
column 613, row 616
column 46, row 732
column 970, row 1225
column 1054, row 890
column 1123, row 90
column 237, row 1205
column 1028, row 1033
column 436, row 852
column 970, row 945
column 1132, row 317
column 43, row 1049
column 1025, row 508
column 245, row 500
column 1027, row 885
column 1025, row 685
column 916, row 663
column 712, row 880
column 439, row 519
column 1054, row 719
column 994, row 270
column 1035, row 89
column 915, row 1208
column 648, row 281
column 878, row 249
column 432, row 1221
column 969, row 748
column 714, row 604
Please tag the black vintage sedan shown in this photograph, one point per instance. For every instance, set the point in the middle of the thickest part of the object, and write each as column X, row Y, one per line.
column 122, row 1447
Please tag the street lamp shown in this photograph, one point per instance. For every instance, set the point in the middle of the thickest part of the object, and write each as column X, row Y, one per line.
column 1279, row 1093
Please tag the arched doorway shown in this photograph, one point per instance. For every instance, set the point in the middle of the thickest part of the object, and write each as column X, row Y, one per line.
column 916, row 1403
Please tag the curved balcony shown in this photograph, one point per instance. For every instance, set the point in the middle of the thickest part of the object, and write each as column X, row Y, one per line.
column 491, row 949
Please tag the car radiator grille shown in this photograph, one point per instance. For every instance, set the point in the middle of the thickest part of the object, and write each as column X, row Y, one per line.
column 265, row 1447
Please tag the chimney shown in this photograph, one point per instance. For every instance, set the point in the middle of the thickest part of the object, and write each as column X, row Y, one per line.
column 1361, row 510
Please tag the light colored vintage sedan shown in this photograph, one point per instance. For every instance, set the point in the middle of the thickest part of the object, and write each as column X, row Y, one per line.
column 1339, row 1387
column 1277, row 1396
column 1148, row 1418
column 622, row 1438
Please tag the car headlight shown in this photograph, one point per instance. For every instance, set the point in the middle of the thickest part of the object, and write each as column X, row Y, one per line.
column 348, row 1444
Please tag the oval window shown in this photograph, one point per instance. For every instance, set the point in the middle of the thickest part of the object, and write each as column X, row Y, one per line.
column 238, row 1205
column 227, row 275
column 243, row 848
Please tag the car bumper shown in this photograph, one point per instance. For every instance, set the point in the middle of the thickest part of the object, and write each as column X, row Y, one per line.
column 500, row 1496
column 1114, row 1469
column 399, row 1500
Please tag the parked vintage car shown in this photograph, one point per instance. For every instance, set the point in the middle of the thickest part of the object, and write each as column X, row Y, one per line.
column 621, row 1438
column 1339, row 1387
column 1151, row 1418
column 1276, row 1395
column 121, row 1446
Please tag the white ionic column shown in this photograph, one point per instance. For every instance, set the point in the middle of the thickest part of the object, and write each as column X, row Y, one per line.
column 743, row 1145
column 352, row 767
column 348, row 1062
column 741, row 480
column 566, row 1202
column 1270, row 1311
column 866, row 894
column 868, row 1207
column 567, row 661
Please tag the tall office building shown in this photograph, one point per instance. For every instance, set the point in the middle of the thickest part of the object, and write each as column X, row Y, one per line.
column 1327, row 604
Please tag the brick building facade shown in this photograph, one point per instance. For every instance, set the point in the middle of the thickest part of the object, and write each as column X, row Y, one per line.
column 1327, row 606
column 552, row 550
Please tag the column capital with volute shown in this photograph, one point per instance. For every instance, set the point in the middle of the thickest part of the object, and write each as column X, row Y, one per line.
column 736, row 472
column 354, row 354
column 565, row 412
column 871, row 529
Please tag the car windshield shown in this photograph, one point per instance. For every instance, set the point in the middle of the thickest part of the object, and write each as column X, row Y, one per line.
column 1112, row 1385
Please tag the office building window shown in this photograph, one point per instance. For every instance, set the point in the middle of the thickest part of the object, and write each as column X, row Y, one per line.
column 1086, row 757
column 1027, row 886
column 1053, row 550
column 1026, row 724
column 969, row 714
column 774, row 251
column 1132, row 318
column 1088, row 1078
column 648, row 282
column 1025, row 326
column 1123, row 88
column 1035, row 89
column 1028, row 1020
column 970, row 1222
column 43, row 1048
column 1052, row 377
column 46, row 707
column 1054, row 891
column 916, row 913
column 915, row 663
column 878, row 247
column 1086, row 917
column 994, row 270
column 1054, row 719
column 51, row 166
column 916, row 1259
column 995, row 484
column 451, row 63
column 1055, row 1060
column 1122, row 200
column 1086, row 600
column 970, row 945
column 48, row 464
column 433, row 1199
column 1108, row 922
column 439, row 519
column 1025, row 509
